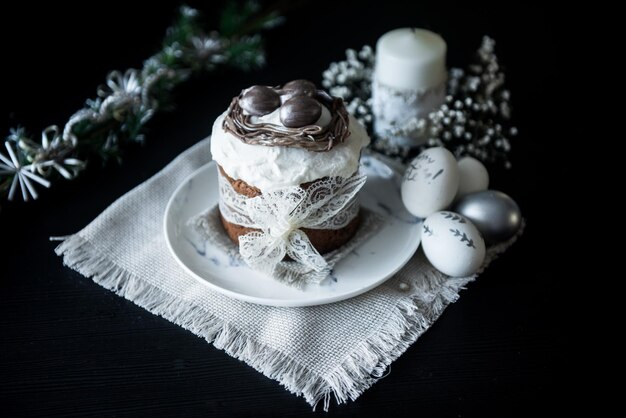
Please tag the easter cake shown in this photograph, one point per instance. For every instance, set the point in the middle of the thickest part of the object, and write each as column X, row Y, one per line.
column 281, row 141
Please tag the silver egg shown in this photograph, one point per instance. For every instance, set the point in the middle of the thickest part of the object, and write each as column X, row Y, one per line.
column 494, row 213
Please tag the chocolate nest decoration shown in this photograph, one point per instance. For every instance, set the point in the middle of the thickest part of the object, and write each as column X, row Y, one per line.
column 310, row 137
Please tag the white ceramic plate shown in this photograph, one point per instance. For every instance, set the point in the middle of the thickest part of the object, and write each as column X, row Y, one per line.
column 366, row 267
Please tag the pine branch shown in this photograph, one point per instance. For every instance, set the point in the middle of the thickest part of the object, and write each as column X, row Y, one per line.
column 129, row 100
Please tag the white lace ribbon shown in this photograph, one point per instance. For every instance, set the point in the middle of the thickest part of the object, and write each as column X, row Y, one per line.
column 279, row 216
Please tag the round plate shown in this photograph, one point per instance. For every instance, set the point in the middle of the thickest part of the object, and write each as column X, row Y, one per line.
column 370, row 264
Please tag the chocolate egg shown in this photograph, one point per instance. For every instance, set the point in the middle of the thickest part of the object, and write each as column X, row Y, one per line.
column 305, row 87
column 300, row 111
column 297, row 88
column 259, row 100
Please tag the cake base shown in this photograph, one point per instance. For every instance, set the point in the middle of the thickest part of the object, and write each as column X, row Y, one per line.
column 324, row 240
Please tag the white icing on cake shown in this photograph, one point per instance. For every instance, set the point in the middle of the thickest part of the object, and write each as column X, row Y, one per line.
column 270, row 168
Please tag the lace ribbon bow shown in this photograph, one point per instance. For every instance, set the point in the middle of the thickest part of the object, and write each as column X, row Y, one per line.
column 279, row 216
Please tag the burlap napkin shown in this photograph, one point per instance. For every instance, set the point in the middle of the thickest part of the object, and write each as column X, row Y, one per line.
column 317, row 352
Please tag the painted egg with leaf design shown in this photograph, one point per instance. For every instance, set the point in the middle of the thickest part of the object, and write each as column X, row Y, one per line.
column 430, row 182
column 452, row 244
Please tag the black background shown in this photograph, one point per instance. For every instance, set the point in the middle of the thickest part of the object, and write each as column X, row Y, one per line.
column 70, row 348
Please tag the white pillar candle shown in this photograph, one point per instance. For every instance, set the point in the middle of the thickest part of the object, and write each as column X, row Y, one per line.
column 409, row 81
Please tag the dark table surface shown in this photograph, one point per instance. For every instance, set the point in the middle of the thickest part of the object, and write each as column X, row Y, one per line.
column 72, row 348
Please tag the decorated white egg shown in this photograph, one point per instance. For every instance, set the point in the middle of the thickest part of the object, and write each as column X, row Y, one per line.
column 430, row 182
column 473, row 176
column 452, row 244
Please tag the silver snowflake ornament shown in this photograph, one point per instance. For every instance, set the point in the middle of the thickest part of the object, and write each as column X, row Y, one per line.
column 22, row 175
